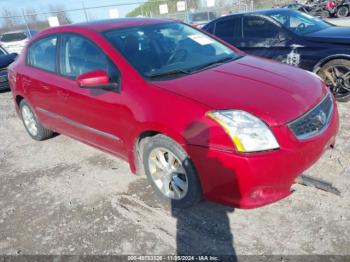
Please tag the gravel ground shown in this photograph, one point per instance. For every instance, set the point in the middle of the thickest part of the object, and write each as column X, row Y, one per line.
column 63, row 197
column 340, row 21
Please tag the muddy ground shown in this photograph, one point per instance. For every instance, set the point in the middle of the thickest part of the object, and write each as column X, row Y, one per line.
column 63, row 197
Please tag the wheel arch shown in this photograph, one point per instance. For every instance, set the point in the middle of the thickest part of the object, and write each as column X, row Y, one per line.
column 327, row 59
column 18, row 99
column 147, row 133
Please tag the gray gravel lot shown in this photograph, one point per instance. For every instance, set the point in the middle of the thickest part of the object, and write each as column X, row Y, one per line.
column 340, row 21
column 63, row 197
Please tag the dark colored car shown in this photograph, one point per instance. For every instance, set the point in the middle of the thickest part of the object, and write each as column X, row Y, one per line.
column 177, row 103
column 5, row 60
column 338, row 8
column 293, row 38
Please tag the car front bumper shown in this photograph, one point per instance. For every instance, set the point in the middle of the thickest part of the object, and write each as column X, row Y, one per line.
column 254, row 180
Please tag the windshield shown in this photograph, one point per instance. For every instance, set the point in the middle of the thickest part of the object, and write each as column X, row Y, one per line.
column 12, row 37
column 174, row 48
column 299, row 23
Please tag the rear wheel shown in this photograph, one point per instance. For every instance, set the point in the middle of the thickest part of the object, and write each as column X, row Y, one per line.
column 343, row 11
column 34, row 128
column 336, row 74
column 171, row 172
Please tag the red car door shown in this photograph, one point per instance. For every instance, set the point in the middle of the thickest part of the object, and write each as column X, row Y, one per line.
column 40, row 79
column 91, row 115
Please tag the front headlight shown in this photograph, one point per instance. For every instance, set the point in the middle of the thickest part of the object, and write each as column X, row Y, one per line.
column 248, row 132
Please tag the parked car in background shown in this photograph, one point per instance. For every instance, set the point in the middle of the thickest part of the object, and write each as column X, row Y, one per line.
column 16, row 40
column 293, row 38
column 5, row 60
column 341, row 8
column 297, row 7
column 322, row 9
column 199, row 19
column 197, row 115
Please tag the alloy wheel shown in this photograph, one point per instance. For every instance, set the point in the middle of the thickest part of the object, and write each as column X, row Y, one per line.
column 168, row 174
column 29, row 120
column 338, row 78
column 342, row 12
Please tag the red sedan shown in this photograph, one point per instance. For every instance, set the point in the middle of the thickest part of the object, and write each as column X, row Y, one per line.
column 199, row 117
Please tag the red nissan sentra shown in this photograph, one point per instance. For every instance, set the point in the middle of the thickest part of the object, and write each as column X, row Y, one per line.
column 199, row 117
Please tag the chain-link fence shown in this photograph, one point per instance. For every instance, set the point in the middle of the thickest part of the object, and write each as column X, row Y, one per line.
column 191, row 11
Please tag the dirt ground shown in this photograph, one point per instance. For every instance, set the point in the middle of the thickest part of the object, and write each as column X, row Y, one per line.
column 63, row 197
column 339, row 21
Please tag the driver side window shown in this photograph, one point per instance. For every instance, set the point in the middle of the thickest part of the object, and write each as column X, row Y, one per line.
column 79, row 55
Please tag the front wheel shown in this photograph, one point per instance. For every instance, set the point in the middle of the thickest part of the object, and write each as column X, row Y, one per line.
column 171, row 172
column 336, row 75
column 342, row 11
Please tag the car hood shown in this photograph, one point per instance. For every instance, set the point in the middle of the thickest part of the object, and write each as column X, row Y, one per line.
column 275, row 92
column 5, row 60
column 335, row 34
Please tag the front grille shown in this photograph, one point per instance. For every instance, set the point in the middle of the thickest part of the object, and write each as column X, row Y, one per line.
column 314, row 121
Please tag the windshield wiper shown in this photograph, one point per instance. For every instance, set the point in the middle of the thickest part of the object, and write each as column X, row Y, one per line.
column 192, row 70
column 170, row 73
column 215, row 63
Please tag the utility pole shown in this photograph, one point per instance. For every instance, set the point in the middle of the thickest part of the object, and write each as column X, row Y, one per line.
column 25, row 21
column 85, row 13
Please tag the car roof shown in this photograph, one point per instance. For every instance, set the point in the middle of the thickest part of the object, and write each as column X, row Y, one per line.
column 107, row 24
column 260, row 12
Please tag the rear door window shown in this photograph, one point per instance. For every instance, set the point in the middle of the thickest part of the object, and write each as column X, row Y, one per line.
column 229, row 29
column 42, row 54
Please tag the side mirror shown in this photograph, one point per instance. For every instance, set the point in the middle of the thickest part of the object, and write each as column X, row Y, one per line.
column 96, row 79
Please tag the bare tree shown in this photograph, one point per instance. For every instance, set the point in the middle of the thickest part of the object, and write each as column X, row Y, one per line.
column 31, row 16
column 10, row 19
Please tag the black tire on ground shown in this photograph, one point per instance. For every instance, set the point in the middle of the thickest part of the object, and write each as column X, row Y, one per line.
column 342, row 11
column 342, row 95
column 42, row 132
column 194, row 193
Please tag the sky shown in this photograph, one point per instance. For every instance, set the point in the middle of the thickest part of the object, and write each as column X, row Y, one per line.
column 76, row 16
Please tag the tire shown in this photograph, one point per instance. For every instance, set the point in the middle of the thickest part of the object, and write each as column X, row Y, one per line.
column 343, row 11
column 335, row 81
column 184, row 196
column 41, row 132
